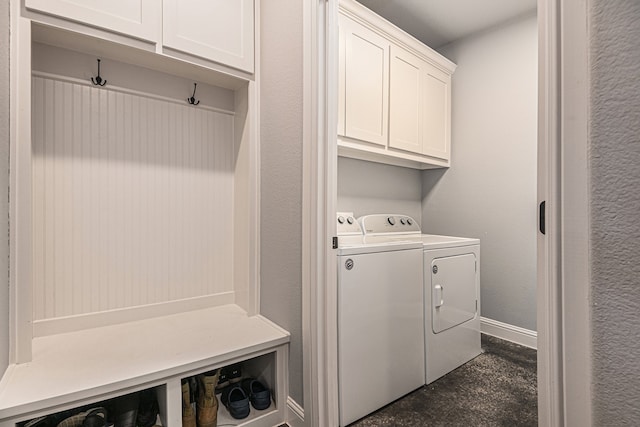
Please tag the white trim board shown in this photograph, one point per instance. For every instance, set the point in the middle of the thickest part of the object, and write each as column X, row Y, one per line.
column 508, row 332
column 79, row 322
column 294, row 414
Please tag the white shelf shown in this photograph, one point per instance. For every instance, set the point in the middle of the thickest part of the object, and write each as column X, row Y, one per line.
column 355, row 149
column 74, row 366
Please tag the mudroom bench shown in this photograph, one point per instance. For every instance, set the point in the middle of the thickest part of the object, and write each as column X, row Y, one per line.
column 73, row 369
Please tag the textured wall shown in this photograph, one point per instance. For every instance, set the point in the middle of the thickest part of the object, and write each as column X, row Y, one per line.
column 367, row 188
column 4, row 184
column 490, row 190
column 281, row 176
column 615, row 210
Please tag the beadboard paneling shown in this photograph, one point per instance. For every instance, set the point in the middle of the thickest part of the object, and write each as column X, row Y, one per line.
column 133, row 200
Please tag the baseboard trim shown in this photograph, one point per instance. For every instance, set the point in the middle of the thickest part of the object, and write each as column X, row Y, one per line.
column 508, row 332
column 295, row 413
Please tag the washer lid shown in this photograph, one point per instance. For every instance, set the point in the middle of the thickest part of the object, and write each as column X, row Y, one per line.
column 350, row 245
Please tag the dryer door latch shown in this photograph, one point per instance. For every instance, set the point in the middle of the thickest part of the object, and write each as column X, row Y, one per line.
column 439, row 296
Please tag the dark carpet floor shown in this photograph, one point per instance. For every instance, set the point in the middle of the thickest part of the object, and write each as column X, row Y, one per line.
column 497, row 388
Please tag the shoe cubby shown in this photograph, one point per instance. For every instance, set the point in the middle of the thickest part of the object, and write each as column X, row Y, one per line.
column 264, row 368
column 142, row 408
column 258, row 368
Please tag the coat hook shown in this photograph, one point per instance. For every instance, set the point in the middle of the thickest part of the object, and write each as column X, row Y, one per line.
column 192, row 100
column 98, row 81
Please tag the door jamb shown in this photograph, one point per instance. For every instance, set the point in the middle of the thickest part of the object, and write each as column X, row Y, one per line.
column 563, row 329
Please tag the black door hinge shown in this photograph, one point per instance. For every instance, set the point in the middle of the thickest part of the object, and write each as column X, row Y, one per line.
column 542, row 214
column 334, row 241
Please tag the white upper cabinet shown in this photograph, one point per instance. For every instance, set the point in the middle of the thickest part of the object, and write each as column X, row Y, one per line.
column 406, row 101
column 217, row 30
column 136, row 18
column 436, row 114
column 394, row 93
column 209, row 32
column 419, row 110
column 366, row 83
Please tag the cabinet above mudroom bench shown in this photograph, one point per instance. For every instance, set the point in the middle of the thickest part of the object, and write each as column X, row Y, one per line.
column 213, row 34
column 394, row 93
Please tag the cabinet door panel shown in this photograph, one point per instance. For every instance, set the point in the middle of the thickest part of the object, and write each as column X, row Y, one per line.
column 405, row 86
column 137, row 18
column 366, row 84
column 218, row 30
column 341, row 77
column 437, row 114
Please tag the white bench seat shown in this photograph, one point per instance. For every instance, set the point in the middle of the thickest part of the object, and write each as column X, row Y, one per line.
column 76, row 366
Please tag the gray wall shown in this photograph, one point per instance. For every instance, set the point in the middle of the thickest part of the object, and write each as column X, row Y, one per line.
column 4, row 185
column 281, row 176
column 615, row 210
column 367, row 188
column 490, row 190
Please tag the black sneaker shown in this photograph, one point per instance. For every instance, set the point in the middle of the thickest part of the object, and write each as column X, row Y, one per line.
column 236, row 402
column 259, row 395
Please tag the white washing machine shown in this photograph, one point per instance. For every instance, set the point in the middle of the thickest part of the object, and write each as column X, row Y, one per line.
column 451, row 291
column 380, row 320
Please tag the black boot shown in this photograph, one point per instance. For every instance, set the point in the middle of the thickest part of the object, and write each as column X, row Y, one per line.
column 148, row 408
column 125, row 410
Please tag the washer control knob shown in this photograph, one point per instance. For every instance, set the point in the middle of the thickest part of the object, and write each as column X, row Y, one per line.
column 409, row 222
column 341, row 219
column 402, row 221
column 391, row 220
column 350, row 219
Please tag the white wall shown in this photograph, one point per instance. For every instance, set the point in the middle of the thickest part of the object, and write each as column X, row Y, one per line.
column 490, row 190
column 4, row 185
column 367, row 188
column 281, row 176
column 614, row 28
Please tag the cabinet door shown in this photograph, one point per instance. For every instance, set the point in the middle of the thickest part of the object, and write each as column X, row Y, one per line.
column 218, row 30
column 405, row 101
column 341, row 76
column 137, row 18
column 436, row 138
column 366, row 83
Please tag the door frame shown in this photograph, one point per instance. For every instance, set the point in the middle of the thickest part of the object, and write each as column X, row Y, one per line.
column 319, row 197
column 563, row 291
column 564, row 343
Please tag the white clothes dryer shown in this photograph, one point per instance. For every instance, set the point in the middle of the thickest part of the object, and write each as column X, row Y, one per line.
column 380, row 320
column 451, row 271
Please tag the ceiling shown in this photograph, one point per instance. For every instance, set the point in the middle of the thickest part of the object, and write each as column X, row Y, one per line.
column 438, row 22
